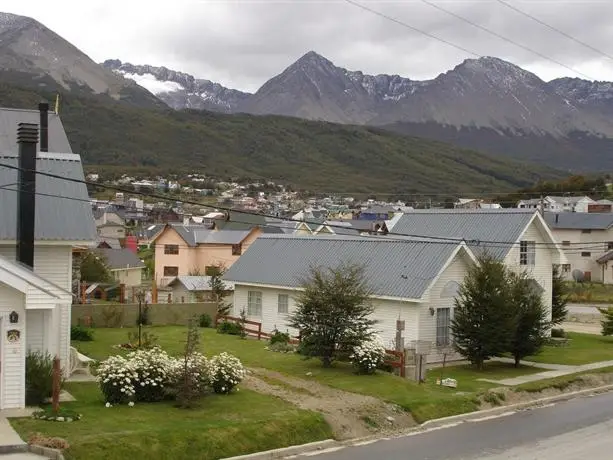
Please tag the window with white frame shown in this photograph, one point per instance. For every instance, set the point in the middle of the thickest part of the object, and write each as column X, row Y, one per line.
column 527, row 252
column 283, row 303
column 254, row 303
column 443, row 325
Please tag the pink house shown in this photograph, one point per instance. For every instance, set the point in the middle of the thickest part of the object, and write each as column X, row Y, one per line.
column 186, row 249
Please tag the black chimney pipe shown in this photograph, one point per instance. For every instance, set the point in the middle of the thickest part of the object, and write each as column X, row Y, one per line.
column 27, row 137
column 43, row 108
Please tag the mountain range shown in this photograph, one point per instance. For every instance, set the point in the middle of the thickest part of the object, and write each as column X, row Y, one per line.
column 486, row 103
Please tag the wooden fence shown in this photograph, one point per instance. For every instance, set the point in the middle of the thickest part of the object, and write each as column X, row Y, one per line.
column 394, row 358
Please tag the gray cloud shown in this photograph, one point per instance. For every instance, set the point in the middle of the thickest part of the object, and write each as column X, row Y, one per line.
column 243, row 43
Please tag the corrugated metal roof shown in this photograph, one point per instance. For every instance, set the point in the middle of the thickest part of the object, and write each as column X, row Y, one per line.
column 197, row 234
column 579, row 220
column 394, row 268
column 121, row 258
column 474, row 226
column 68, row 219
column 10, row 118
column 198, row 283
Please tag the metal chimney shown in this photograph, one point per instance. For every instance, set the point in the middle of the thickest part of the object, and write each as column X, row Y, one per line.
column 43, row 108
column 27, row 138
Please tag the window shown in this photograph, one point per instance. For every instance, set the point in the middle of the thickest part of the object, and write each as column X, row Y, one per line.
column 586, row 254
column 443, row 321
column 586, row 230
column 566, row 268
column 237, row 249
column 171, row 249
column 565, row 243
column 171, row 271
column 609, row 245
column 283, row 303
column 527, row 252
column 254, row 303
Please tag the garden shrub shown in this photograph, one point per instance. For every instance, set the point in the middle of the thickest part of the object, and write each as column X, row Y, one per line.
column 282, row 347
column 226, row 372
column 81, row 334
column 368, row 356
column 197, row 368
column 229, row 327
column 205, row 320
column 39, row 378
column 279, row 337
column 558, row 333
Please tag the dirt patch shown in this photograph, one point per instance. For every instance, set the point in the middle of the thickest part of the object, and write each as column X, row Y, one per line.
column 350, row 415
column 507, row 396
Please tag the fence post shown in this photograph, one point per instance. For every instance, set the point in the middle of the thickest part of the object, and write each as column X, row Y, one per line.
column 259, row 330
column 55, row 395
column 402, row 365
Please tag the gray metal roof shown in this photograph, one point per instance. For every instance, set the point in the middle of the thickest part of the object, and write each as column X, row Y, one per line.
column 394, row 268
column 197, row 234
column 197, row 283
column 121, row 258
column 475, row 226
column 62, row 213
column 579, row 220
column 10, row 118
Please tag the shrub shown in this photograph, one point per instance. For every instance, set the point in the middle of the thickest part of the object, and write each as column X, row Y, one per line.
column 228, row 327
column 282, row 347
column 226, row 372
column 39, row 378
column 558, row 333
column 196, row 368
column 368, row 356
column 205, row 320
column 279, row 337
column 81, row 334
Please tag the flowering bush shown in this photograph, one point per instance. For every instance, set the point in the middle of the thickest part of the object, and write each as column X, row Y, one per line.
column 226, row 371
column 368, row 356
column 141, row 376
column 198, row 369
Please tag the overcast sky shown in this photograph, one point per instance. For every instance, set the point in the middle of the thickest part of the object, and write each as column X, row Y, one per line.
column 243, row 43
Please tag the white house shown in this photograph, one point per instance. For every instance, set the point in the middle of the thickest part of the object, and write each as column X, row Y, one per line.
column 414, row 281
column 558, row 203
column 520, row 238
column 35, row 304
column 587, row 241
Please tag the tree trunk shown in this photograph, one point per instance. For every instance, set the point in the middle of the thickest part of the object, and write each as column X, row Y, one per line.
column 326, row 361
column 517, row 360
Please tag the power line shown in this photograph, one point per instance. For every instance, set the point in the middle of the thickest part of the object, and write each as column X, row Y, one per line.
column 555, row 29
column 390, row 235
column 502, row 37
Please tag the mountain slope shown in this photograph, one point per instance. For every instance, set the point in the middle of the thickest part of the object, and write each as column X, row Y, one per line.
column 308, row 154
column 180, row 90
column 30, row 52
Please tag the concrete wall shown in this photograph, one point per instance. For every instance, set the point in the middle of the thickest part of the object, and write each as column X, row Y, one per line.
column 120, row 315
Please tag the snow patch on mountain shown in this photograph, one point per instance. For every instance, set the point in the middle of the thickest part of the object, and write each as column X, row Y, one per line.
column 152, row 84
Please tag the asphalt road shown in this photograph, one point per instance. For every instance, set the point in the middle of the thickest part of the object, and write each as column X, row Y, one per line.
column 572, row 430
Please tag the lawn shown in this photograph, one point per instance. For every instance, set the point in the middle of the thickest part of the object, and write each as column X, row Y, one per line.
column 425, row 401
column 590, row 293
column 222, row 426
column 583, row 349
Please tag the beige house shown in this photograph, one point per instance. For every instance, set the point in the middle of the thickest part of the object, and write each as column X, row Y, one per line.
column 125, row 266
column 587, row 241
column 188, row 250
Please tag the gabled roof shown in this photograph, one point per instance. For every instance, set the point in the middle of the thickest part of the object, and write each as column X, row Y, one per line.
column 120, row 259
column 475, row 226
column 197, row 283
column 579, row 220
column 57, row 218
column 394, row 268
column 198, row 234
column 568, row 199
column 10, row 118
column 21, row 275
column 113, row 243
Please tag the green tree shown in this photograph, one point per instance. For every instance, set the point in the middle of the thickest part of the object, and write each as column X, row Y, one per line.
column 333, row 312
column 483, row 322
column 531, row 325
column 219, row 290
column 94, row 268
column 607, row 320
column 189, row 389
column 559, row 297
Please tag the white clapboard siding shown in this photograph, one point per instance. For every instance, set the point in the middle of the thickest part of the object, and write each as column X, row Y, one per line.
column 13, row 354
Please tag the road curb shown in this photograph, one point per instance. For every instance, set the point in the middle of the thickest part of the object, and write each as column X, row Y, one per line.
column 288, row 451
column 426, row 426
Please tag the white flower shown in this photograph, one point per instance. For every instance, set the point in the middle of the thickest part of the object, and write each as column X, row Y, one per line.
column 108, row 404
column 131, row 404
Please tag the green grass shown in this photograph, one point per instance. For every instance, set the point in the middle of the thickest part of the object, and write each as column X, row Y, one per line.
column 425, row 401
column 590, row 293
column 222, row 426
column 583, row 349
column 559, row 383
